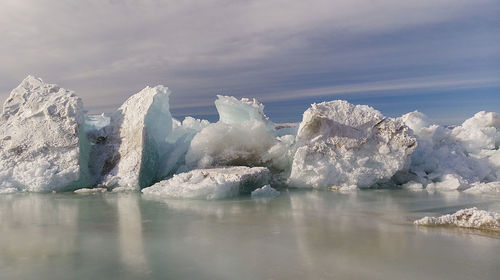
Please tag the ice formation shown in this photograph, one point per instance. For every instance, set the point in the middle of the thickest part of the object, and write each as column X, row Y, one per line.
column 42, row 144
column 265, row 192
column 455, row 158
column 137, row 143
column 48, row 142
column 215, row 183
column 341, row 144
column 466, row 218
column 242, row 136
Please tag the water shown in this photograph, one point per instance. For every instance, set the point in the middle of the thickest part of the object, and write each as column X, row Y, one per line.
column 299, row 235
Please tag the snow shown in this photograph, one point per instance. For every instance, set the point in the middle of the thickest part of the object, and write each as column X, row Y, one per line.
column 466, row 218
column 137, row 144
column 340, row 144
column 455, row 158
column 413, row 186
column 215, row 183
column 265, row 192
column 43, row 145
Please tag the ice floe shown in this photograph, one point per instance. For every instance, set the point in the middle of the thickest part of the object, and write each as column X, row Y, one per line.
column 466, row 218
column 215, row 183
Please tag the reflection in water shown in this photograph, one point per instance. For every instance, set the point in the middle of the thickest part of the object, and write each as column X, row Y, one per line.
column 130, row 232
column 35, row 229
column 298, row 235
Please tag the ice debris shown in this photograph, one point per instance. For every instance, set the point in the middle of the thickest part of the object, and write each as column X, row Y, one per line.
column 215, row 183
column 466, row 218
column 341, row 144
column 265, row 192
column 42, row 142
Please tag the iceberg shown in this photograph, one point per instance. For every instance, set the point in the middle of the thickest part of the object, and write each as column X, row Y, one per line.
column 466, row 218
column 136, row 146
column 340, row 144
column 43, row 144
column 214, row 183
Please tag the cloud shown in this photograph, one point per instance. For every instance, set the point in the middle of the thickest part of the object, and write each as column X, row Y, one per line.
column 108, row 50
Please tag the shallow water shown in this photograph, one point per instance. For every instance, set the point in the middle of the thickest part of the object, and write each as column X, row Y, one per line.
column 298, row 235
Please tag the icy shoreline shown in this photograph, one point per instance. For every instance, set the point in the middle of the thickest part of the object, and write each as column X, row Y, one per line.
column 48, row 143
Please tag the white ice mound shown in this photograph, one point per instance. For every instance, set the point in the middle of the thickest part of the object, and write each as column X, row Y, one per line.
column 137, row 144
column 242, row 136
column 42, row 143
column 466, row 218
column 265, row 192
column 454, row 158
column 341, row 144
column 215, row 183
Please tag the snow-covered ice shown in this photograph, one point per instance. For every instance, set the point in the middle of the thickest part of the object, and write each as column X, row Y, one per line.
column 341, row 144
column 42, row 142
column 466, row 218
column 215, row 183
column 265, row 192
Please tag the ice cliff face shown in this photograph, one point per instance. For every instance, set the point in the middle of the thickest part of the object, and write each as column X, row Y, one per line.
column 340, row 144
column 42, row 143
column 136, row 145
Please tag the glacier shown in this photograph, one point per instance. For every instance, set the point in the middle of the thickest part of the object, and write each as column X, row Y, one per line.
column 48, row 142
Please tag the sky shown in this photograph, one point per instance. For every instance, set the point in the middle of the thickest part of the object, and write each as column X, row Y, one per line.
column 441, row 57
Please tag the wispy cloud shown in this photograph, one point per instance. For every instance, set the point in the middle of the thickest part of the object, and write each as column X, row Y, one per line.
column 273, row 49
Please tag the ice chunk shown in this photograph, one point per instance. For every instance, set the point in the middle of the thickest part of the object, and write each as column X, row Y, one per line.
column 178, row 144
column 413, row 186
column 233, row 111
column 455, row 158
column 448, row 182
column 341, row 144
column 243, row 136
column 91, row 191
column 467, row 218
column 477, row 188
column 265, row 192
column 43, row 144
column 137, row 144
column 213, row 183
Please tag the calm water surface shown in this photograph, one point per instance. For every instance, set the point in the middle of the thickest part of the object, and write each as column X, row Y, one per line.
column 299, row 235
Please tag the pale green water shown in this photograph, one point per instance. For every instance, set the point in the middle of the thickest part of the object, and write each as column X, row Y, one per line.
column 299, row 235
